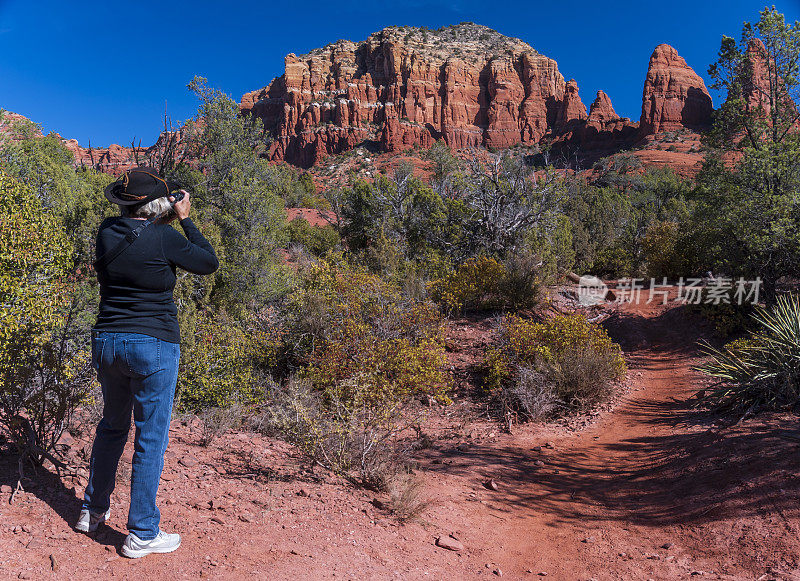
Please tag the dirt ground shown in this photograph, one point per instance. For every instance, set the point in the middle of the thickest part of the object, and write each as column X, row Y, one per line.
column 650, row 488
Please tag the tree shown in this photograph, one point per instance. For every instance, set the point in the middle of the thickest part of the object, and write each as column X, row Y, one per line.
column 753, row 207
column 239, row 194
column 761, row 78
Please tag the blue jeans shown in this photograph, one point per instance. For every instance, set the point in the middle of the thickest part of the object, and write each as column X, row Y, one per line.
column 137, row 373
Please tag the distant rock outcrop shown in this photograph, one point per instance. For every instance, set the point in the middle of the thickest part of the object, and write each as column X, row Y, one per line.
column 674, row 95
column 466, row 84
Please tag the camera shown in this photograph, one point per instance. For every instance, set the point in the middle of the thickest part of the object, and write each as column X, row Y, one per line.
column 178, row 196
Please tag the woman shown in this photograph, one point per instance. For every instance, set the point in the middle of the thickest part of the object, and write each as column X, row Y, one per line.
column 136, row 347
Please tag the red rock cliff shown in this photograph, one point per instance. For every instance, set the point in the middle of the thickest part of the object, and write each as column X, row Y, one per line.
column 408, row 86
column 674, row 95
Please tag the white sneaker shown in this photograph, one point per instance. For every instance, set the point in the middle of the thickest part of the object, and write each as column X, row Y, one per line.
column 134, row 547
column 89, row 521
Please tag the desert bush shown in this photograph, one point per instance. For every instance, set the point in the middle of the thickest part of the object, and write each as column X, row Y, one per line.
column 561, row 363
column 216, row 421
column 44, row 363
column 317, row 240
column 762, row 371
column 661, row 251
column 222, row 363
column 483, row 283
column 475, row 285
column 727, row 319
column 358, row 340
column 351, row 440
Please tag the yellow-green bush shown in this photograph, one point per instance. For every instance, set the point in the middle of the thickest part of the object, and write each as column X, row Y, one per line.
column 222, row 364
column 44, row 370
column 359, row 341
column 484, row 283
column 566, row 360
column 317, row 240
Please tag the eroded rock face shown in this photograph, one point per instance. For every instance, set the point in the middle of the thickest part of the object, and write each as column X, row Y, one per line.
column 674, row 95
column 405, row 87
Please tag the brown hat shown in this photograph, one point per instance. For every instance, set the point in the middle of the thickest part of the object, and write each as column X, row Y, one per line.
column 139, row 186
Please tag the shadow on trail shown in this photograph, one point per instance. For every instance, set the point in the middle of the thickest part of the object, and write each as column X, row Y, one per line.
column 49, row 488
column 669, row 463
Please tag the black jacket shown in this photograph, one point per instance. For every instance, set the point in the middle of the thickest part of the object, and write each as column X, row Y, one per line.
column 136, row 288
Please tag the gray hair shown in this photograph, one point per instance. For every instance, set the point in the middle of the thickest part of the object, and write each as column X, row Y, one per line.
column 151, row 209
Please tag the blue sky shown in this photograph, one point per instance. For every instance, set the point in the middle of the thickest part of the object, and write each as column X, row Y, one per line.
column 104, row 70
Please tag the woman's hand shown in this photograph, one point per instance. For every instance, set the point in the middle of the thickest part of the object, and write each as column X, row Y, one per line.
column 182, row 208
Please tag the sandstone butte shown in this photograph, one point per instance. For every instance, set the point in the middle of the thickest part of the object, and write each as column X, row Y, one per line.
column 466, row 84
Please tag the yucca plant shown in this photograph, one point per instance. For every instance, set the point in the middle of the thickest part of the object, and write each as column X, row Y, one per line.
column 761, row 371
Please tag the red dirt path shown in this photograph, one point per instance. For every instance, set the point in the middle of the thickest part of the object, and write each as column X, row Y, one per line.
column 652, row 489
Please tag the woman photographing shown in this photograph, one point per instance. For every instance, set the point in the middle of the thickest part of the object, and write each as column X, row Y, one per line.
column 136, row 346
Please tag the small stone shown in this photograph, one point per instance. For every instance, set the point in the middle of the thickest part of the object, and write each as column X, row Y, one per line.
column 6, row 489
column 491, row 484
column 378, row 503
column 498, row 572
column 24, row 575
column 538, row 463
column 537, row 448
column 449, row 543
column 550, row 446
column 188, row 461
column 542, row 573
column 217, row 520
column 302, row 492
column 667, row 546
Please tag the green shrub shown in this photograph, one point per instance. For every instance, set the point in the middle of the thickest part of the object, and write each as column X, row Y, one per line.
column 761, row 371
column 361, row 342
column 561, row 363
column 318, row 240
column 483, row 283
column 222, row 364
column 44, row 364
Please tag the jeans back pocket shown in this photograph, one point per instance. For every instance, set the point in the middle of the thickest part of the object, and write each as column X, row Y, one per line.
column 143, row 356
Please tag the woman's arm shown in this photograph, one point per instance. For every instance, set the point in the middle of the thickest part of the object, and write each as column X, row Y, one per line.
column 193, row 253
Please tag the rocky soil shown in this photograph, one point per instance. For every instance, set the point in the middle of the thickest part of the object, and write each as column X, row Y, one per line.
column 649, row 488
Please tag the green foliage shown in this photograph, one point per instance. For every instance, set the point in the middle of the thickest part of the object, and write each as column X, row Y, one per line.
column 562, row 363
column 757, row 112
column 225, row 361
column 45, row 165
column 751, row 215
column 239, row 193
column 44, row 371
column 761, row 372
column 361, row 343
column 318, row 240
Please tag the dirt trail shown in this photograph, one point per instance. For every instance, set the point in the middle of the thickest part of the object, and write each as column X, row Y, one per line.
column 650, row 490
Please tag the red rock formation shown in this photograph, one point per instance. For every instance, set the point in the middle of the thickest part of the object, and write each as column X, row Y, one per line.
column 572, row 108
column 406, row 86
column 674, row 95
column 602, row 111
